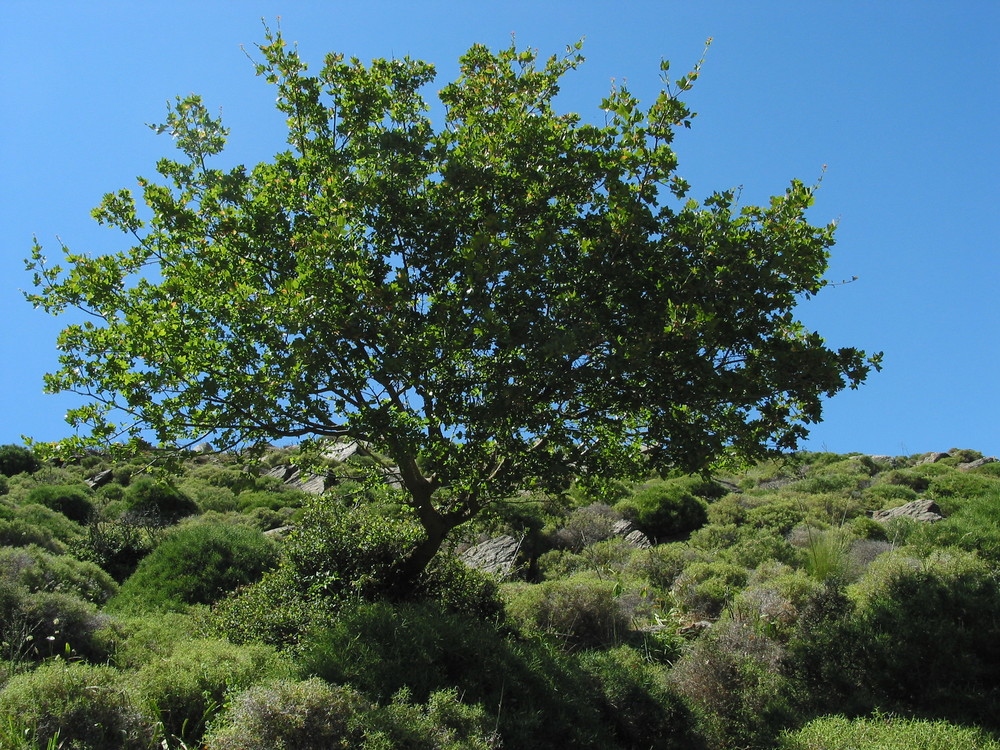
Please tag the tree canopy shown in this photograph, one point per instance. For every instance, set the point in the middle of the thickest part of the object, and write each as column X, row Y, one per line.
column 502, row 300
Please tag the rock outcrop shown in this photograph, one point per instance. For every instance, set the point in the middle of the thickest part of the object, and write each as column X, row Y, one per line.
column 926, row 511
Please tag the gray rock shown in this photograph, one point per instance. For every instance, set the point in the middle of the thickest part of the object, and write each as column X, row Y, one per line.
column 279, row 533
column 340, row 451
column 310, row 483
column 625, row 529
column 282, row 472
column 495, row 556
column 932, row 458
column 977, row 463
column 100, row 479
column 919, row 510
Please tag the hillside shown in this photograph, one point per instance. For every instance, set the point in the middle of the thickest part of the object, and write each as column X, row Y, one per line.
column 816, row 601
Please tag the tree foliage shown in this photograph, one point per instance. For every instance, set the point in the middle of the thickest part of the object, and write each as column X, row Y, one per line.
column 501, row 300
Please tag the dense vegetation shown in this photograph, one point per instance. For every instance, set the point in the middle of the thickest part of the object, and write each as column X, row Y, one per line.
column 220, row 607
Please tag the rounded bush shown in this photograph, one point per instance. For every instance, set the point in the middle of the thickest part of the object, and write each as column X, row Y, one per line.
column 156, row 501
column 582, row 610
column 188, row 687
column 38, row 570
column 705, row 588
column 733, row 681
column 197, row 564
column 665, row 510
column 75, row 705
column 18, row 533
column 286, row 715
column 73, row 501
column 15, row 459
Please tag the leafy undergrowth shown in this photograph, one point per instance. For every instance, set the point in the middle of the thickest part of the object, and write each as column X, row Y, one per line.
column 770, row 610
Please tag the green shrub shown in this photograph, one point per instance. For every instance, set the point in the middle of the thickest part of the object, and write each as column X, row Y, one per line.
column 18, row 533
column 79, row 706
column 776, row 514
column 197, row 564
column 912, row 479
column 117, row 546
column 73, row 501
column 273, row 611
column 637, row 703
column 662, row 564
column 705, row 588
column 732, row 680
column 286, row 715
column 536, row 694
column 156, row 502
column 884, row 496
column 210, row 497
column 583, row 526
column 773, row 599
column 582, row 611
column 755, row 547
column 973, row 526
column 185, row 689
column 883, row 732
column 827, row 553
column 382, row 648
column 826, row 658
column 866, row 528
column 38, row 570
column 444, row 722
column 271, row 499
column 15, row 459
column 665, row 510
column 62, row 528
column 338, row 552
column 918, row 636
column 944, row 614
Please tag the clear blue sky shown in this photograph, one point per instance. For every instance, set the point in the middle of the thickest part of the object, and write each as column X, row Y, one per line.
column 899, row 99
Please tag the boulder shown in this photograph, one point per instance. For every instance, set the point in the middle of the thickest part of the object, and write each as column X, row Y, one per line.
column 100, row 479
column 977, row 463
column 309, row 483
column 932, row 458
column 631, row 534
column 919, row 510
column 495, row 556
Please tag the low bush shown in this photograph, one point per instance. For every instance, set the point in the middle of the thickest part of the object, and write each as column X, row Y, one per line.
column 582, row 611
column 15, row 459
column 705, row 588
column 15, row 532
column 62, row 528
column 197, row 564
column 155, row 501
column 536, row 694
column 382, row 648
column 38, row 570
column 73, row 501
column 637, row 703
column 732, row 680
column 882, row 732
column 587, row 525
column 117, row 546
column 665, row 510
column 187, row 688
column 444, row 722
column 74, row 705
column 288, row 715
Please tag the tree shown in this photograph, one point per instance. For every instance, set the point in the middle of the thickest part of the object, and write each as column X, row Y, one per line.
column 510, row 299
